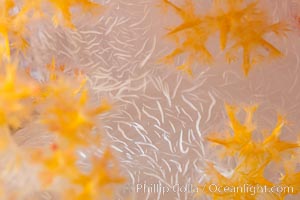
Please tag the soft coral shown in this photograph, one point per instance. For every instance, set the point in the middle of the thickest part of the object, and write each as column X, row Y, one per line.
column 244, row 25
column 252, row 157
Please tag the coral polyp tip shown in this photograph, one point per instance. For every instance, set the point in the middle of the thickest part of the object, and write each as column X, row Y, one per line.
column 240, row 25
column 16, row 93
column 252, row 156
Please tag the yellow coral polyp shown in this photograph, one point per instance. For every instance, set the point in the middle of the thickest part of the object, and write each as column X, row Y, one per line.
column 16, row 95
column 13, row 24
column 61, row 105
column 252, row 157
column 100, row 176
column 65, row 108
column 62, row 164
column 242, row 24
column 69, row 115
column 63, row 8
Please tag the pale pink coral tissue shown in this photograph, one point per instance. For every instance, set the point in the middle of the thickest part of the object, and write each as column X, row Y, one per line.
column 149, row 99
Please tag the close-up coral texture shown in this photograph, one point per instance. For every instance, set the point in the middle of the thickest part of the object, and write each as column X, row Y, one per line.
column 149, row 99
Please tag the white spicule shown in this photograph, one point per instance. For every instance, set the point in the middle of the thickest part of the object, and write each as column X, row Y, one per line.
column 161, row 116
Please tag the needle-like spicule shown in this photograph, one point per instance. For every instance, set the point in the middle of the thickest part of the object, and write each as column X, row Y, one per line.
column 61, row 106
column 66, row 112
column 16, row 16
column 235, row 183
column 62, row 14
column 16, row 109
column 61, row 164
column 253, row 156
column 242, row 25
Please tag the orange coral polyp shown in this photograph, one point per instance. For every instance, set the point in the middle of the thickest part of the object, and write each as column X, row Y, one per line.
column 252, row 156
column 16, row 95
column 245, row 25
column 69, row 115
column 13, row 25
